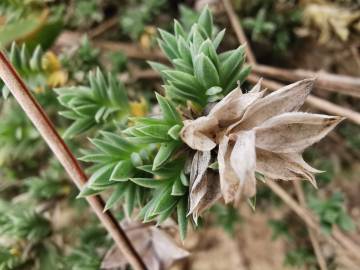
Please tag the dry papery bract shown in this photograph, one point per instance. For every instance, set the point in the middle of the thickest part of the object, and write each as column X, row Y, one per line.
column 158, row 250
column 254, row 132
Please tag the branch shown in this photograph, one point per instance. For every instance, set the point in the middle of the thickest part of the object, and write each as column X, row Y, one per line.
column 234, row 20
column 346, row 85
column 130, row 50
column 45, row 127
column 312, row 234
column 349, row 249
column 103, row 27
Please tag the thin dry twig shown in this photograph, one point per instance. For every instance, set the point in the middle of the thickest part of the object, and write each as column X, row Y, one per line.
column 234, row 20
column 45, row 127
column 313, row 101
column 346, row 85
column 312, row 234
column 130, row 50
column 350, row 249
column 355, row 53
column 103, row 27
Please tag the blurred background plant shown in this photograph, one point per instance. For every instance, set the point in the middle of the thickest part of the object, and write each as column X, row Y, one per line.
column 270, row 22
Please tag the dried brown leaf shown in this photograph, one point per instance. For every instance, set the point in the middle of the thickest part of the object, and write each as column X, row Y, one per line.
column 211, row 185
column 201, row 134
column 229, row 182
column 156, row 247
column 243, row 162
column 198, row 178
column 287, row 99
column 293, row 132
column 254, row 134
column 285, row 167
column 197, row 134
column 232, row 107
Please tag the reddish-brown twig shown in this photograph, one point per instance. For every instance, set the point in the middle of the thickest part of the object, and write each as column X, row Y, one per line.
column 45, row 127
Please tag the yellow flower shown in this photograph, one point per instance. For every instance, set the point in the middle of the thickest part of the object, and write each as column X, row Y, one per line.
column 15, row 252
column 50, row 62
column 147, row 37
column 66, row 190
column 39, row 89
column 57, row 78
column 138, row 108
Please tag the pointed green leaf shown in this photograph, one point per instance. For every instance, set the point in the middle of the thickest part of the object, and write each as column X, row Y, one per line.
column 174, row 131
column 150, row 182
column 123, row 171
column 130, row 197
column 79, row 126
column 181, row 216
column 178, row 189
column 219, row 37
column 206, row 72
column 169, row 111
column 206, row 21
column 164, row 153
column 118, row 193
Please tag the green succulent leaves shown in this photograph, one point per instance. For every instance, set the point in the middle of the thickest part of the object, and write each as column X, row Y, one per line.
column 145, row 164
column 28, row 65
column 115, row 161
column 105, row 99
column 163, row 131
column 199, row 73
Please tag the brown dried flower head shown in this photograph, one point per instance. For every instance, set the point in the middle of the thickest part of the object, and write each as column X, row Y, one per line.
column 254, row 132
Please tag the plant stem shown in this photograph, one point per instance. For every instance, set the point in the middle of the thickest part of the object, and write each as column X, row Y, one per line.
column 234, row 20
column 341, row 84
column 312, row 234
column 45, row 127
column 350, row 249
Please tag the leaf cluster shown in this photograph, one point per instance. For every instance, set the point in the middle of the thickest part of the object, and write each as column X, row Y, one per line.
column 29, row 66
column 145, row 165
column 199, row 74
column 20, row 222
column 86, row 13
column 81, row 61
column 271, row 23
column 19, row 140
column 115, row 161
column 48, row 184
column 134, row 19
column 332, row 212
column 102, row 101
